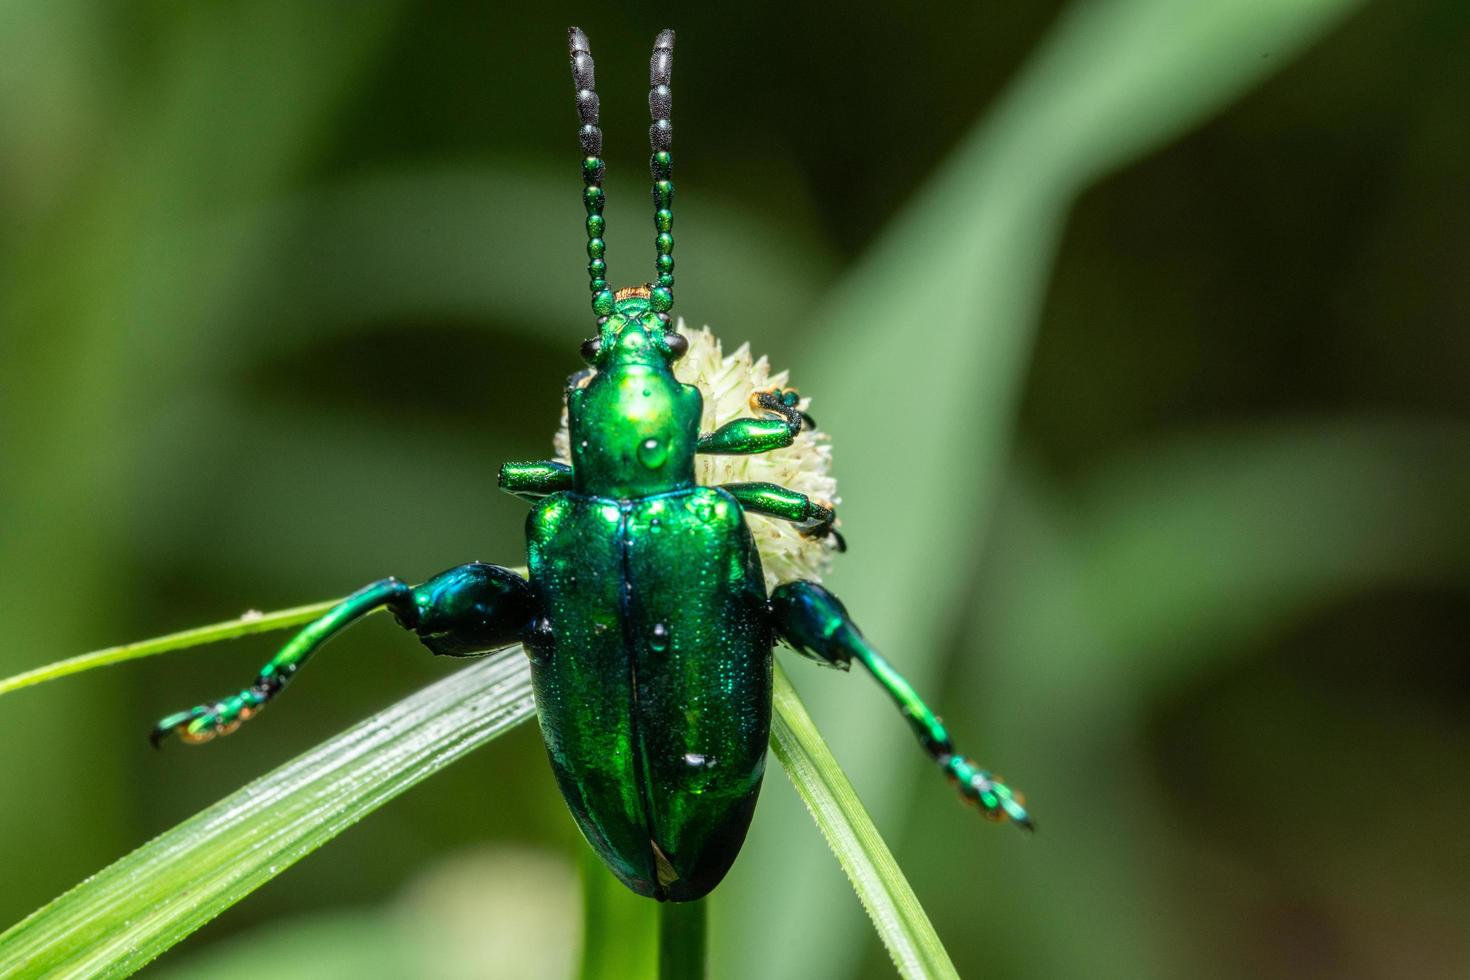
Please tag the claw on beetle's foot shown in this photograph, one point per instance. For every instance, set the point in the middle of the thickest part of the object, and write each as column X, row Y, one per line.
column 205, row 722
column 988, row 792
column 827, row 526
column 782, row 402
column 823, row 531
column 779, row 400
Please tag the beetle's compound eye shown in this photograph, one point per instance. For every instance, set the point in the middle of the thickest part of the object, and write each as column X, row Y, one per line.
column 677, row 344
column 590, row 349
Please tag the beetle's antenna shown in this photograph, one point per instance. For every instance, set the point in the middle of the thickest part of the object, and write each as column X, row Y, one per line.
column 660, row 137
column 592, row 169
column 661, row 165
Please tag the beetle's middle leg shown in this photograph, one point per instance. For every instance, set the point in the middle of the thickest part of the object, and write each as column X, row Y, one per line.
column 814, row 518
column 466, row 611
column 780, row 422
column 815, row 623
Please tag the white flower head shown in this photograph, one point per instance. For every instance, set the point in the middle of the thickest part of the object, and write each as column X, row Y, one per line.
column 727, row 381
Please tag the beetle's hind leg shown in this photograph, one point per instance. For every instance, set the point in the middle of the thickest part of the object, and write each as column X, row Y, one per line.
column 466, row 611
column 814, row 622
column 814, row 518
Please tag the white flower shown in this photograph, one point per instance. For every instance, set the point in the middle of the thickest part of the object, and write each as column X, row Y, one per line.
column 726, row 382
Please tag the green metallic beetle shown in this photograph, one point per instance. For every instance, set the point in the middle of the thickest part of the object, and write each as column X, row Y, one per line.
column 645, row 614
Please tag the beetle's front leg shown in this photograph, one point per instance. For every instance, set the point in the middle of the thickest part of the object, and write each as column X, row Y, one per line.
column 465, row 611
column 534, row 480
column 777, row 428
column 814, row 622
column 814, row 518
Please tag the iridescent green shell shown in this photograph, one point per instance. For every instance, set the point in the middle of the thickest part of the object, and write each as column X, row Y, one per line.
column 653, row 679
column 652, row 659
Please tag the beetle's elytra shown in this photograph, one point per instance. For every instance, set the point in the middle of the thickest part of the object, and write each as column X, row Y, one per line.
column 644, row 611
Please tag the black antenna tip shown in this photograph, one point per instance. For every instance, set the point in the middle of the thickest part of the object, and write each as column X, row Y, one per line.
column 664, row 40
column 577, row 41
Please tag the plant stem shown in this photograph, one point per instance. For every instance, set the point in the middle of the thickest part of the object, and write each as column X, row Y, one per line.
column 619, row 934
column 681, row 940
column 213, row 633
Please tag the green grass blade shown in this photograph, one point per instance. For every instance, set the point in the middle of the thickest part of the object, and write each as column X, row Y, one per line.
column 881, row 887
column 121, row 918
column 230, row 629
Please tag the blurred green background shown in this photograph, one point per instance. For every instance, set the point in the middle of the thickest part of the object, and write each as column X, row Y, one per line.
column 1138, row 327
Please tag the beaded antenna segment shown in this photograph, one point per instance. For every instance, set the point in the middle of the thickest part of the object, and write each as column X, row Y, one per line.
column 661, row 166
column 660, row 291
column 590, row 135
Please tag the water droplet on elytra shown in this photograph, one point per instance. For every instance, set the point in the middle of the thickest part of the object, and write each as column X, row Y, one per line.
column 659, row 641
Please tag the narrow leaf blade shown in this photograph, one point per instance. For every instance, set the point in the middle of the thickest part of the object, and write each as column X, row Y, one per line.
column 230, row 629
column 121, row 918
column 897, row 916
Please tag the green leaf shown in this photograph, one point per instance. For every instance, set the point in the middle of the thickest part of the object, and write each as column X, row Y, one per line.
column 897, row 916
column 493, row 910
column 1232, row 533
column 919, row 357
column 130, row 912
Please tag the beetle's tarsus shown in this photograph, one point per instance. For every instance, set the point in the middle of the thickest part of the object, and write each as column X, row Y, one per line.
column 206, row 722
column 782, row 403
column 825, row 528
column 987, row 792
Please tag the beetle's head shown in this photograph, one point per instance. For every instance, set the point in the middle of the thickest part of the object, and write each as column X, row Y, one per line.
column 634, row 334
column 633, row 425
